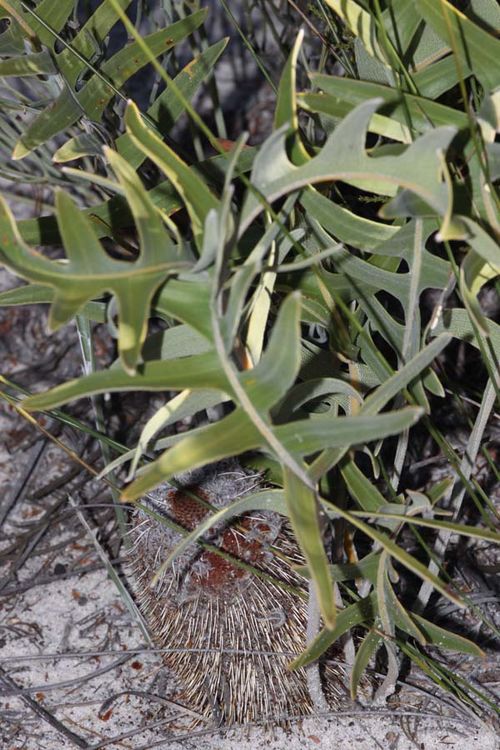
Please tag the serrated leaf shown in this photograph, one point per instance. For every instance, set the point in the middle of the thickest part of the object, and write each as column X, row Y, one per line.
column 38, row 63
column 113, row 214
column 344, row 157
column 167, row 107
column 314, row 388
column 343, row 224
column 88, row 273
column 457, row 322
column 95, row 95
column 55, row 13
column 32, row 294
column 154, row 241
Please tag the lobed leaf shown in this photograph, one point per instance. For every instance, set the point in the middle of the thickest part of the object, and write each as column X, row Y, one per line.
column 473, row 47
column 89, row 272
column 96, row 94
column 344, row 157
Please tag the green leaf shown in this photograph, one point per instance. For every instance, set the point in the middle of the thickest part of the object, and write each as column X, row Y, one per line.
column 235, row 434
column 399, row 554
column 457, row 322
column 482, row 244
column 361, row 489
column 197, row 371
column 276, row 372
column 286, row 104
column 312, row 389
column 264, row 385
column 177, row 341
column 365, row 611
column 100, row 89
column 303, row 511
column 198, row 198
column 443, row 638
column 88, row 273
column 366, row 649
column 305, row 437
column 402, row 108
column 397, row 613
column 155, row 242
column 366, row 568
column 355, row 614
column 229, row 437
column 188, row 301
column 344, row 157
column 434, row 80
column 167, row 108
column 455, row 528
column 401, row 21
column 39, row 63
column 361, row 23
column 32, row 294
column 165, row 111
column 378, row 399
column 343, row 224
column 113, row 214
column 472, row 46
column 75, row 148
column 55, row 13
column 184, row 404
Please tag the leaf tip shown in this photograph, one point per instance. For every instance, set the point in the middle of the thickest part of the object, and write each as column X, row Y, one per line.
column 20, row 151
column 329, row 619
column 132, row 109
column 295, row 664
column 129, row 367
column 419, row 412
column 27, row 403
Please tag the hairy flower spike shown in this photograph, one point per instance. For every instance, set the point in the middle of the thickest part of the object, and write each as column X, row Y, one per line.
column 239, row 630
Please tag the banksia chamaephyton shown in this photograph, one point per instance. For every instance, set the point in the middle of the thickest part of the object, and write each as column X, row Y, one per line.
column 239, row 630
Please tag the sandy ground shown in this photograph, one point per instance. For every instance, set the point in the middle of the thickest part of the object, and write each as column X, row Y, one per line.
column 84, row 615
column 74, row 670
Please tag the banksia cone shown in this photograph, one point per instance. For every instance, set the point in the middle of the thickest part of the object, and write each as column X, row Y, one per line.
column 234, row 632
